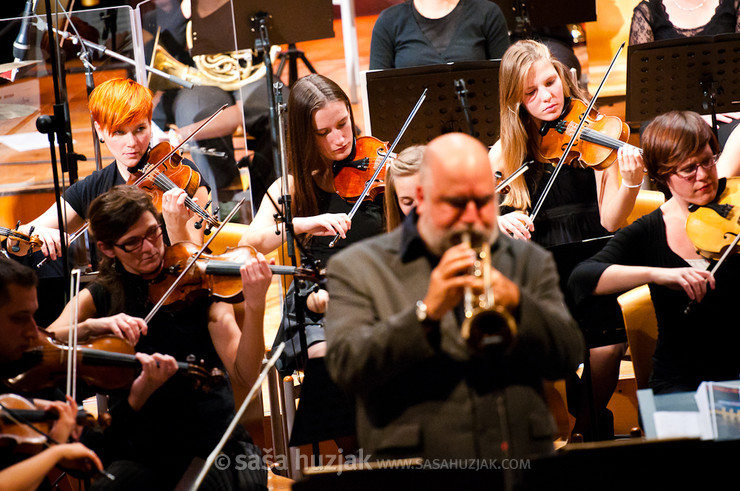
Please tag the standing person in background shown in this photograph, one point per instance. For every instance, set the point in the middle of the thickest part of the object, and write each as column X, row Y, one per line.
column 656, row 20
column 433, row 32
column 401, row 180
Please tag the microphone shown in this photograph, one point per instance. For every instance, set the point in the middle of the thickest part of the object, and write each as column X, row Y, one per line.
column 20, row 46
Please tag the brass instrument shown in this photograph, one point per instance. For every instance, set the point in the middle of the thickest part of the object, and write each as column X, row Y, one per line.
column 229, row 70
column 487, row 326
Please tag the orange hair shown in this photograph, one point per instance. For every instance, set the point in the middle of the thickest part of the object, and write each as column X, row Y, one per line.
column 118, row 102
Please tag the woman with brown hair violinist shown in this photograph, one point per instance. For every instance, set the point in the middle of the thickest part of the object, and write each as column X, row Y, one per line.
column 696, row 344
column 162, row 422
column 583, row 203
column 320, row 138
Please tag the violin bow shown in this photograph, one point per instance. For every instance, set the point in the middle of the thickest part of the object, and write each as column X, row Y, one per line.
column 573, row 138
column 370, row 181
column 192, row 261
column 190, row 483
column 74, row 290
column 714, row 269
column 521, row 170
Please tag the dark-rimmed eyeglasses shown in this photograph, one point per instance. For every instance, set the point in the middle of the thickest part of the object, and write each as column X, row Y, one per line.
column 688, row 172
column 133, row 244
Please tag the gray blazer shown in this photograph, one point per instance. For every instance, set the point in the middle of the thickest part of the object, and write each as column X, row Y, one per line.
column 417, row 397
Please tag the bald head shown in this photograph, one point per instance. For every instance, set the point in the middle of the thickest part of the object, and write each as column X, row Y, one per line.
column 457, row 190
column 455, row 153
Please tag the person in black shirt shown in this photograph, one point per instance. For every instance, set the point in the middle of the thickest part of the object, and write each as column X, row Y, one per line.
column 679, row 152
column 122, row 111
column 163, row 422
column 320, row 140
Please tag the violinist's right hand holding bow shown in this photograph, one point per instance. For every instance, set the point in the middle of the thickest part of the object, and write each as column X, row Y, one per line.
column 620, row 278
column 327, row 224
column 517, row 225
column 30, row 473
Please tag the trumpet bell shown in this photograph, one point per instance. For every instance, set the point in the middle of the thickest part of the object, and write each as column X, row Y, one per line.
column 488, row 330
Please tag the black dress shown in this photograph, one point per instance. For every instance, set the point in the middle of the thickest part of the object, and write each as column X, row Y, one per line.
column 567, row 224
column 178, row 422
column 691, row 348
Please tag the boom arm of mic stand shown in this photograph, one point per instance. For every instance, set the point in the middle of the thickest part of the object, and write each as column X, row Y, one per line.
column 42, row 26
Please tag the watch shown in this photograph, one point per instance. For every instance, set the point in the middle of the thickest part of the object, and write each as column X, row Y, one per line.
column 421, row 311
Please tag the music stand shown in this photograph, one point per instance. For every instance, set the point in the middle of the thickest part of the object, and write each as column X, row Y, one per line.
column 324, row 411
column 534, row 14
column 700, row 74
column 391, row 94
column 290, row 22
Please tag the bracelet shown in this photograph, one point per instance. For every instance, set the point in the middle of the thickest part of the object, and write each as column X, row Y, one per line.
column 634, row 186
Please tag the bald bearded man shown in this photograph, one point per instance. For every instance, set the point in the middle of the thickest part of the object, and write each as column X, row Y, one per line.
column 394, row 319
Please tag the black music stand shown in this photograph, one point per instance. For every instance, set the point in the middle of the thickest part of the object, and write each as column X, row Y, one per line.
column 290, row 22
column 524, row 15
column 324, row 411
column 700, row 74
column 391, row 94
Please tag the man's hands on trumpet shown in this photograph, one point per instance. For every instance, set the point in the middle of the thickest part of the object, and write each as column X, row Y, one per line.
column 452, row 276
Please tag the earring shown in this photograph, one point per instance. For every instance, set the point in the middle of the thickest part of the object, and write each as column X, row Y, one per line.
column 101, row 140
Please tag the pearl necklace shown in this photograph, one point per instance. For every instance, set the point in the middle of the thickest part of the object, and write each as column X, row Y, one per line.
column 674, row 2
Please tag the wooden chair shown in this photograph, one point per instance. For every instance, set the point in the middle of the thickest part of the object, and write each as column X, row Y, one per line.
column 642, row 331
column 646, row 202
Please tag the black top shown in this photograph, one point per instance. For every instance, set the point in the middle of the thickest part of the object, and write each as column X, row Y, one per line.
column 568, row 219
column 474, row 30
column 650, row 22
column 177, row 422
column 80, row 194
column 691, row 348
column 570, row 212
column 367, row 222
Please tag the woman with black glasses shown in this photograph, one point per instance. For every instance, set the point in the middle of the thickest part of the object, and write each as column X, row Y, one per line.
column 679, row 153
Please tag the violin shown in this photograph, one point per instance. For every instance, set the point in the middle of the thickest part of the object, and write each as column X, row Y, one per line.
column 25, row 429
column 714, row 227
column 104, row 363
column 596, row 145
column 32, row 240
column 216, row 275
column 351, row 178
column 17, row 412
column 163, row 172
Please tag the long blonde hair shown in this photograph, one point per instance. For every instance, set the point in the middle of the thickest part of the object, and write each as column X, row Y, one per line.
column 519, row 132
column 407, row 163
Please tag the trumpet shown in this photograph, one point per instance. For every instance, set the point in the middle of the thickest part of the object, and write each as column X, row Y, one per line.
column 487, row 326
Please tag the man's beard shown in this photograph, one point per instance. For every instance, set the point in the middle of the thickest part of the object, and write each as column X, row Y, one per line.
column 439, row 240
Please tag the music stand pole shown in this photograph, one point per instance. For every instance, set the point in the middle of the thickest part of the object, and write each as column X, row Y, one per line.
column 259, row 21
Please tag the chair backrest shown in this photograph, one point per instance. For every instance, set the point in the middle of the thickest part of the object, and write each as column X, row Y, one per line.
column 646, row 202
column 642, row 331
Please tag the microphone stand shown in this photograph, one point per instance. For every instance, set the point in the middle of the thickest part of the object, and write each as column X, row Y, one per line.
column 58, row 125
column 262, row 44
column 462, row 95
column 286, row 200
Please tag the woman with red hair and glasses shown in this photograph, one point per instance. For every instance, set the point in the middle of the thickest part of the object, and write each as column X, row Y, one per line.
column 122, row 113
